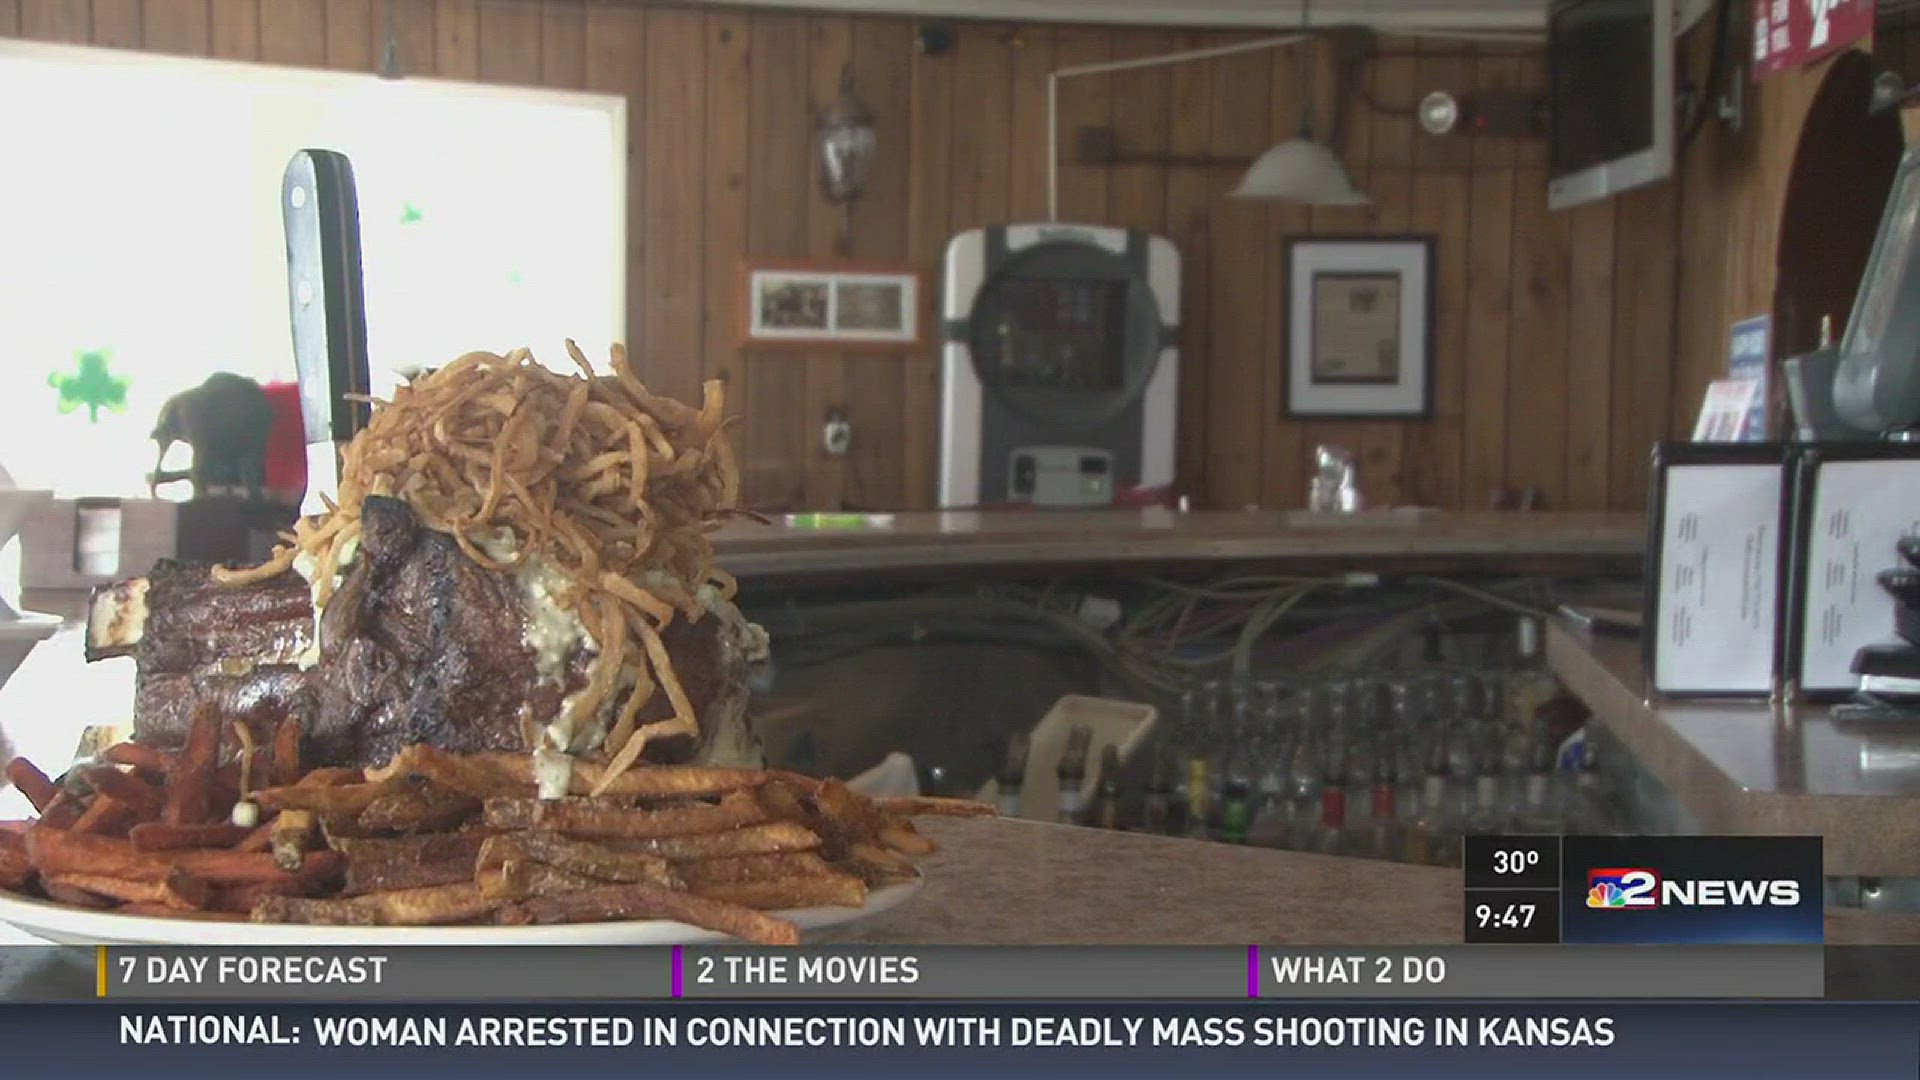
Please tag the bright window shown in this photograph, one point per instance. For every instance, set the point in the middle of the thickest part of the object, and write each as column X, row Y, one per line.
column 140, row 222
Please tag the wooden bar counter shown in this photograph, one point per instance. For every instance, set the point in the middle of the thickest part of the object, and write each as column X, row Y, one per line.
column 1503, row 542
column 1745, row 766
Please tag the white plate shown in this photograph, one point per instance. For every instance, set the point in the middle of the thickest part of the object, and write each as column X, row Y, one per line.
column 77, row 926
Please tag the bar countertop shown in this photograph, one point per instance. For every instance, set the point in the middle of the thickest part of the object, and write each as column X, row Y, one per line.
column 1747, row 766
column 1019, row 538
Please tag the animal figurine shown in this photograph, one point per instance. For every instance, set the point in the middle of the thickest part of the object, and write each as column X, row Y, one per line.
column 227, row 421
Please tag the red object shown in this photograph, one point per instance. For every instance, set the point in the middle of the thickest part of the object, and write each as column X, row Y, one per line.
column 1789, row 33
column 1128, row 498
column 287, row 445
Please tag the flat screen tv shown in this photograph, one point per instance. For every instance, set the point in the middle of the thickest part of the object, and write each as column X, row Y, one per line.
column 1609, row 97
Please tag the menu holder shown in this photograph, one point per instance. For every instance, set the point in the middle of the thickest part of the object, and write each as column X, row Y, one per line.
column 1852, row 503
column 1716, row 550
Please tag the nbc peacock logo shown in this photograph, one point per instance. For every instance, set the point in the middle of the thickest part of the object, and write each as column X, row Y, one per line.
column 1623, row 889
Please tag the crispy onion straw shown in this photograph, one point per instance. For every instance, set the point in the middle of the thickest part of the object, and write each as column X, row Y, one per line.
column 610, row 484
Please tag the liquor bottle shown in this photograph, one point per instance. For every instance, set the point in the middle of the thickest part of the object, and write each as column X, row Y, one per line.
column 1333, row 838
column 1484, row 819
column 1013, row 774
column 1155, row 808
column 1383, row 819
column 1199, row 797
column 1424, row 839
column 1235, row 812
column 1529, row 683
column 1106, row 806
column 1072, row 774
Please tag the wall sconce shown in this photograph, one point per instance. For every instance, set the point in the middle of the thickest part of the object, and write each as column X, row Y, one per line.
column 847, row 142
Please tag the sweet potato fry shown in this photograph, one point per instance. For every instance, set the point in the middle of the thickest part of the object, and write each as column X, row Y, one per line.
column 177, row 890
column 190, row 794
column 590, row 819
column 589, row 860
column 435, row 905
column 160, row 836
column 15, row 869
column 619, row 903
column 517, row 879
column 162, row 911
column 33, row 783
column 292, row 830
column 138, row 756
column 62, row 812
column 932, row 806
column 786, row 894
column 284, row 768
column 318, row 869
column 332, row 776
column 106, row 817
column 750, row 840
column 429, row 810
column 59, row 851
column 128, row 789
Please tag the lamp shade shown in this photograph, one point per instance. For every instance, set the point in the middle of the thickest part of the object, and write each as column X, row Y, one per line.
column 1300, row 170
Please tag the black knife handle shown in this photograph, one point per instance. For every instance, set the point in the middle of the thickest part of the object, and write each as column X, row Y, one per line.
column 324, row 287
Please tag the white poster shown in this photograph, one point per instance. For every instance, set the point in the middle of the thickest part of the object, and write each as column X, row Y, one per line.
column 1860, row 509
column 1719, row 579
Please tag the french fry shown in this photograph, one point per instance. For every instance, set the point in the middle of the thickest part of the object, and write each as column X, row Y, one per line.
column 517, row 879
column 377, row 877
column 331, row 776
column 427, row 847
column 591, row 820
column 285, row 766
column 474, row 776
column 329, row 801
column 62, row 812
column 162, row 911
column 745, row 868
column 33, row 783
column 160, row 836
column 177, row 890
column 588, row 860
column 901, row 837
column 665, row 781
column 318, row 870
column 430, row 810
column 932, row 806
column 786, row 894
column 766, row 839
column 240, row 899
column 191, row 782
column 259, row 838
column 430, row 906
column 291, row 832
column 75, row 897
column 627, row 902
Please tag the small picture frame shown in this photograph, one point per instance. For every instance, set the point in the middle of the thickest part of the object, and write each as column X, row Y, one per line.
column 1359, row 342
column 804, row 304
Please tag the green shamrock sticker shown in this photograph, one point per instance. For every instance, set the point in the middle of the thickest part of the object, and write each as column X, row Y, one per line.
column 409, row 214
column 92, row 385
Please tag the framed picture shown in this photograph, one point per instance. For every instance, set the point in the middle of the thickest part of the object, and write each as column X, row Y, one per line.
column 1359, row 327
column 831, row 303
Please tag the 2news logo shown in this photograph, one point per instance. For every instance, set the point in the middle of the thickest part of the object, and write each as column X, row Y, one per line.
column 1638, row 889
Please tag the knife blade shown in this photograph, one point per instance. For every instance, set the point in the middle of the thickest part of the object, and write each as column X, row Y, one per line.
column 321, row 215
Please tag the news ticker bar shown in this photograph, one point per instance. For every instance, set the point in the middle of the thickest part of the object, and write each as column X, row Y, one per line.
column 951, row 973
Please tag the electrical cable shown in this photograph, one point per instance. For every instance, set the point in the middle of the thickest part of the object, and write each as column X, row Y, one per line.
column 1716, row 74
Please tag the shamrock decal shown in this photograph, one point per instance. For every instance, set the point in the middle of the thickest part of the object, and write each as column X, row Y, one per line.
column 92, row 385
column 410, row 214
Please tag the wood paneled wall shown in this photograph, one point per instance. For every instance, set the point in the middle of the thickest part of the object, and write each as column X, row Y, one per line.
column 1555, row 331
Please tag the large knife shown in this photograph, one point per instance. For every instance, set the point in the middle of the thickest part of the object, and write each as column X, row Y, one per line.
column 322, row 216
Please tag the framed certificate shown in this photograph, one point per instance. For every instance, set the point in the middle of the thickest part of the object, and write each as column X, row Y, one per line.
column 1359, row 334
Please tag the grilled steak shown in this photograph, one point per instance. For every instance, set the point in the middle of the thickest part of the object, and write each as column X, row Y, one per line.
column 418, row 644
